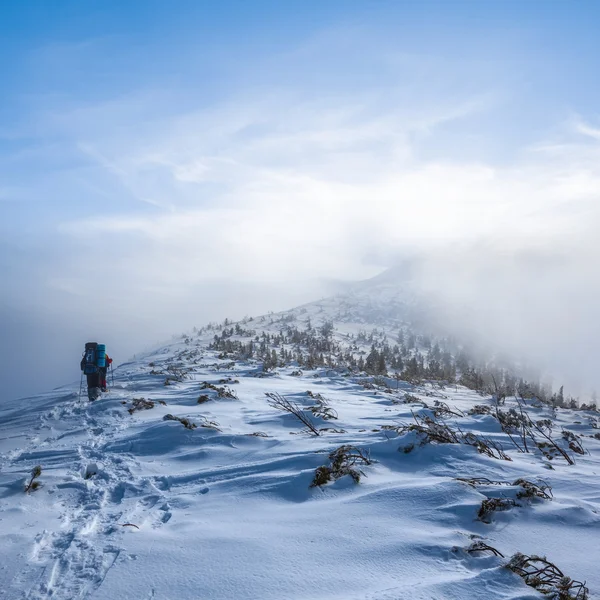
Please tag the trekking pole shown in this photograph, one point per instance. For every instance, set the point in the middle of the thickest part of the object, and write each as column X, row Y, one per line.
column 112, row 375
column 80, row 385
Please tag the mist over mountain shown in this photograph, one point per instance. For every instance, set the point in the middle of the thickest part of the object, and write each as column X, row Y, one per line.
column 521, row 306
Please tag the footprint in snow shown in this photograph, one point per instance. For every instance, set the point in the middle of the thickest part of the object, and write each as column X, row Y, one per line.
column 149, row 501
column 165, row 514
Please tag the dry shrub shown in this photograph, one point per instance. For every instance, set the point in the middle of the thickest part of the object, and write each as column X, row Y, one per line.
column 547, row 578
column 223, row 391
column 429, row 430
column 321, row 408
column 529, row 489
column 33, row 484
column 323, row 475
column 480, row 546
column 344, row 461
column 491, row 505
column 574, row 441
column 519, row 423
column 185, row 422
column 512, row 420
column 140, row 404
column 226, row 392
column 539, row 489
column 481, row 409
column 365, row 383
column 486, row 446
column 475, row 481
column 209, row 424
column 177, row 372
column 208, row 386
column 410, row 399
column 441, row 409
column 280, row 403
column 551, row 450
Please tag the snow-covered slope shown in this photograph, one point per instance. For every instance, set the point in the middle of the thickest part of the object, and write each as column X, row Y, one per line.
column 133, row 505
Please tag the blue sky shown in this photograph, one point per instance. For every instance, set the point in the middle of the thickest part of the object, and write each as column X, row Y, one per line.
column 159, row 154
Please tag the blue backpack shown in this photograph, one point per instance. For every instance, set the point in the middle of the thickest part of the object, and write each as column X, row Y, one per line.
column 101, row 355
column 90, row 358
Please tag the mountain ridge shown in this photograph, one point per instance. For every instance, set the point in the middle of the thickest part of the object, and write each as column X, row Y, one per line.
column 187, row 480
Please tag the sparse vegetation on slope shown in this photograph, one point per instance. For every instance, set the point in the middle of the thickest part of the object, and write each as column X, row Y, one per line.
column 250, row 480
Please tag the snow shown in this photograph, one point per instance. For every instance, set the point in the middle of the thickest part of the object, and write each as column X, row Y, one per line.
column 133, row 506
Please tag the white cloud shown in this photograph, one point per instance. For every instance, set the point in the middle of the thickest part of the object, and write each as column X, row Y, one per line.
column 295, row 189
column 587, row 130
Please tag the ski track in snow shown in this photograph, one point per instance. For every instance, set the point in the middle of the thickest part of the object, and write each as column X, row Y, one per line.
column 132, row 506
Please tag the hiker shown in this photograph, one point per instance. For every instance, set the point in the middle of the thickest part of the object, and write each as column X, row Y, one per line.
column 103, row 371
column 89, row 366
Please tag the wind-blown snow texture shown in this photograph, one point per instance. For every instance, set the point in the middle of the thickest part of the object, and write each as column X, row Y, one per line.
column 134, row 506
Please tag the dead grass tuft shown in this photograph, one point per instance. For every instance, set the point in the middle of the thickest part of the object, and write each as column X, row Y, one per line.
column 33, row 484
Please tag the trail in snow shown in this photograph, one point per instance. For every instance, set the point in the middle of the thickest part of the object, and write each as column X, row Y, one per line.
column 72, row 559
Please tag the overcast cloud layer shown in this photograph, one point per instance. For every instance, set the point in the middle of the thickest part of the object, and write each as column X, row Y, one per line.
column 149, row 183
